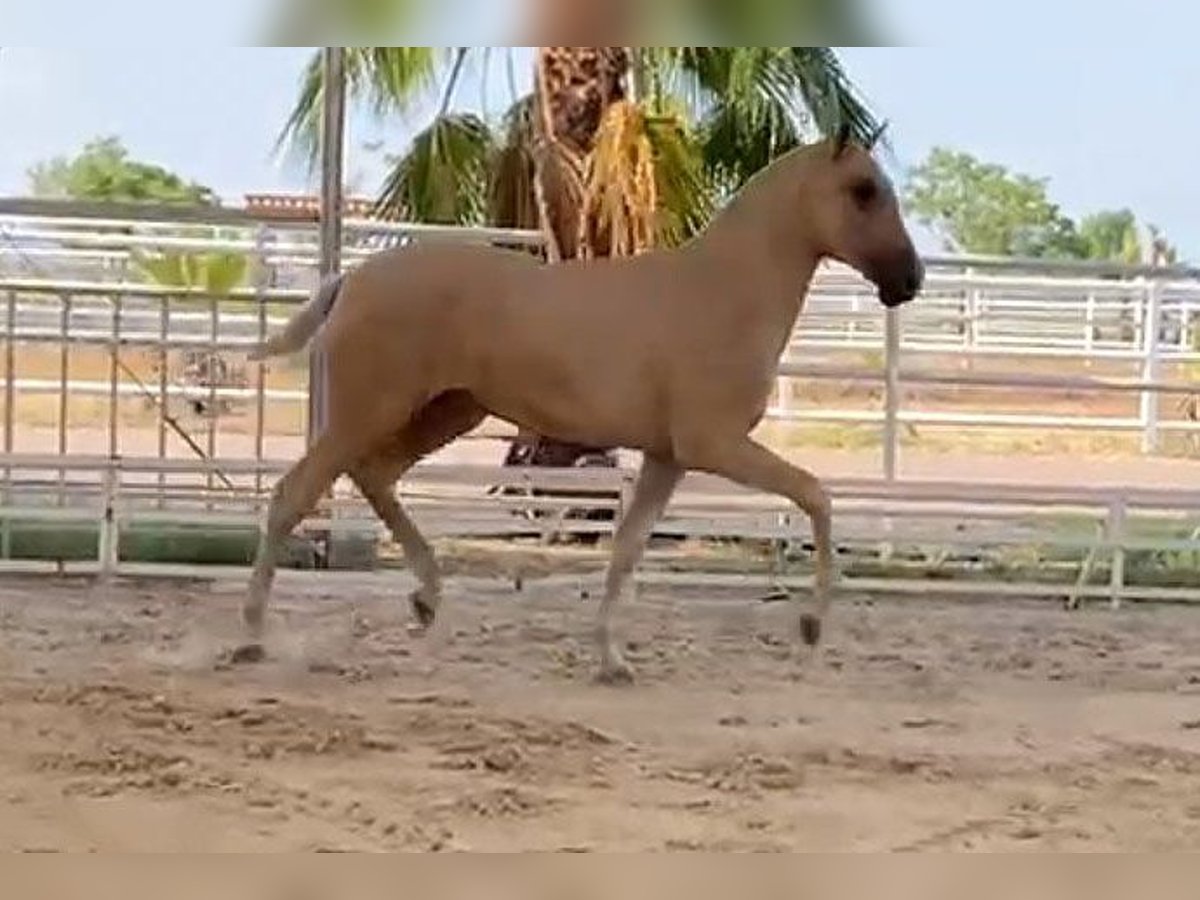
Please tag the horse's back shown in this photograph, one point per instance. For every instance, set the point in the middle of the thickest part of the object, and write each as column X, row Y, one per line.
column 448, row 262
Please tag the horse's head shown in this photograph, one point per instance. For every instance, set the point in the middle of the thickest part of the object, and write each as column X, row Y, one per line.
column 856, row 219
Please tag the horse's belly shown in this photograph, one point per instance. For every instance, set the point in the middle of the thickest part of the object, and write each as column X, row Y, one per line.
column 567, row 405
column 558, row 415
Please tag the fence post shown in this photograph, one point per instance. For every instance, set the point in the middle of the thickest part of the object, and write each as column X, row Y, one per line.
column 357, row 549
column 1116, row 540
column 1150, row 365
column 971, row 331
column 891, row 392
column 1089, row 326
column 1187, row 340
column 891, row 411
column 107, row 540
column 10, row 399
column 333, row 124
column 263, row 280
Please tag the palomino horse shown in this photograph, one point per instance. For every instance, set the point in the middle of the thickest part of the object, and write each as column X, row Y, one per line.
column 673, row 352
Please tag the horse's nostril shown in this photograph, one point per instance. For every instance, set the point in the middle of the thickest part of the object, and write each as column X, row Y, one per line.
column 912, row 285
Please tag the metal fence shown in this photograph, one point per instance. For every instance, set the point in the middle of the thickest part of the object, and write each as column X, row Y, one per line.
column 129, row 401
column 1144, row 319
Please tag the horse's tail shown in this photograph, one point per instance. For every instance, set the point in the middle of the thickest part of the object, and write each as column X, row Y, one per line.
column 304, row 324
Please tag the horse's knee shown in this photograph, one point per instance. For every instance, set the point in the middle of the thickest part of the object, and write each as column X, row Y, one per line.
column 817, row 503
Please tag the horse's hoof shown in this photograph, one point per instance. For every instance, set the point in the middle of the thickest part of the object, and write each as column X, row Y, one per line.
column 248, row 654
column 810, row 630
column 615, row 675
column 423, row 611
column 804, row 658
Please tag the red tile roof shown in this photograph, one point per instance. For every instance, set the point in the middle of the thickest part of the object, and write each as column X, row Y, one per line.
column 300, row 207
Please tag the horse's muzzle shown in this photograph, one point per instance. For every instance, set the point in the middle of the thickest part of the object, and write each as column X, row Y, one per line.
column 897, row 292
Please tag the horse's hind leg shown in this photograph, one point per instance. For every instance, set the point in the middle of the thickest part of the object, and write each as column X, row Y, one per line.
column 378, row 491
column 435, row 425
column 295, row 494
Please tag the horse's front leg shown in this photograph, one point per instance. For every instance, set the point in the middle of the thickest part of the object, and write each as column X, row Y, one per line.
column 752, row 465
column 655, row 485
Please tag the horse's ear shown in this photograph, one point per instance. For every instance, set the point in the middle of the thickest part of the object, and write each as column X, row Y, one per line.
column 841, row 140
column 877, row 134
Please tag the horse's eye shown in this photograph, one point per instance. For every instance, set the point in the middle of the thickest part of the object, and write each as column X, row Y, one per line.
column 864, row 192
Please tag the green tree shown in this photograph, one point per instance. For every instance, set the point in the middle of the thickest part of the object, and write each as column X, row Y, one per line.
column 1111, row 235
column 104, row 171
column 980, row 207
column 213, row 275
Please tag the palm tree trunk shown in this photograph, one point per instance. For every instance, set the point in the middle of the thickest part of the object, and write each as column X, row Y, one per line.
column 574, row 87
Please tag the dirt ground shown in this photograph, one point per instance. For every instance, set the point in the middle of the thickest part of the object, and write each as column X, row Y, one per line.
column 926, row 725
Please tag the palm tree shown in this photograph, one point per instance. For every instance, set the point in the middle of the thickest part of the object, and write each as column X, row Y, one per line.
column 214, row 274
column 710, row 116
column 614, row 150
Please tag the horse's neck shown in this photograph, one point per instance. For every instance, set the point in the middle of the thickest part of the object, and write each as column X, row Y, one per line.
column 748, row 241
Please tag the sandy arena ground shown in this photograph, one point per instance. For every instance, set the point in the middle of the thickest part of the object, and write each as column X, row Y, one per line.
column 926, row 726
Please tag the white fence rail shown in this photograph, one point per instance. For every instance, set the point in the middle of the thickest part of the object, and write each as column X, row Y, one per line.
column 116, row 494
column 68, row 287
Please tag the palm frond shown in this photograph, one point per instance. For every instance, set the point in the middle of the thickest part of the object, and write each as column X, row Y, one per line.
column 216, row 274
column 831, row 99
column 458, row 61
column 645, row 183
column 753, row 113
column 442, row 179
column 620, row 205
column 686, row 190
column 223, row 272
column 674, row 72
column 744, row 135
column 166, row 269
column 755, row 103
column 389, row 79
column 302, row 128
column 512, row 200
